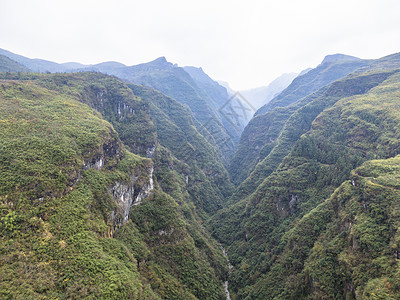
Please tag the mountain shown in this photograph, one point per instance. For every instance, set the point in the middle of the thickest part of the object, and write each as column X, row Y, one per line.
column 81, row 215
column 261, row 134
column 111, row 187
column 214, row 109
column 262, row 95
column 335, row 58
column 228, row 106
column 57, row 220
column 214, row 119
column 43, row 66
column 109, row 67
column 332, row 68
column 37, row 65
column 207, row 181
column 304, row 71
column 72, row 65
column 316, row 218
column 175, row 82
column 227, row 86
column 9, row 65
column 217, row 93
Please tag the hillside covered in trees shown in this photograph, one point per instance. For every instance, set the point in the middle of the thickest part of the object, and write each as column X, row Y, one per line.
column 81, row 215
column 111, row 187
column 307, row 222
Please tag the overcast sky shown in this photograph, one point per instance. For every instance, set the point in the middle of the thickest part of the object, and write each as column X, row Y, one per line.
column 246, row 43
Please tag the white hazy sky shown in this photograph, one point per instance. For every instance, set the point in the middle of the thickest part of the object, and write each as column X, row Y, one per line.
column 246, row 43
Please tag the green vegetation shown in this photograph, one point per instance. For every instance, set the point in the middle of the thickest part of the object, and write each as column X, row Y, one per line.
column 271, row 234
column 208, row 181
column 256, row 142
column 217, row 97
column 53, row 233
column 9, row 65
column 332, row 68
column 286, row 125
column 146, row 119
column 261, row 134
column 174, row 82
column 111, row 190
column 62, row 233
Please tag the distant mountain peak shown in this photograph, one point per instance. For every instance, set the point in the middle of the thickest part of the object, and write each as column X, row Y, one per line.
column 194, row 68
column 391, row 56
column 160, row 63
column 195, row 71
column 114, row 64
column 304, row 71
column 160, row 60
column 197, row 74
column 262, row 95
column 338, row 57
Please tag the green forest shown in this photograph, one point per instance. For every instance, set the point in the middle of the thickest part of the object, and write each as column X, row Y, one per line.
column 111, row 187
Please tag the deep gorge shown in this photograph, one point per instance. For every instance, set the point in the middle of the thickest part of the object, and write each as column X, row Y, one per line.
column 114, row 185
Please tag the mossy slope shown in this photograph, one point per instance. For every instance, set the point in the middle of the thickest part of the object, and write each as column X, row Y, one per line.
column 268, row 244
column 61, row 236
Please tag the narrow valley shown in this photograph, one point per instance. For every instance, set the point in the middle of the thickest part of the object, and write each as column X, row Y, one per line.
column 134, row 182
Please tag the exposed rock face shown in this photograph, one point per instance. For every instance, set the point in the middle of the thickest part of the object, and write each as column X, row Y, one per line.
column 294, row 200
column 119, row 107
column 165, row 232
column 146, row 189
column 230, row 267
column 96, row 163
column 124, row 109
column 124, row 196
column 128, row 194
column 111, row 150
column 150, row 151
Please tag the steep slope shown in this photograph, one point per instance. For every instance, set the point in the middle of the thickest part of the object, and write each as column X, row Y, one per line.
column 331, row 68
column 207, row 180
column 214, row 119
column 9, row 65
column 227, row 86
column 40, row 65
column 268, row 244
column 356, row 256
column 279, row 129
column 55, row 219
column 223, row 103
column 217, row 93
column 258, row 139
column 67, row 196
column 146, row 119
column 114, row 100
column 262, row 95
column 173, row 81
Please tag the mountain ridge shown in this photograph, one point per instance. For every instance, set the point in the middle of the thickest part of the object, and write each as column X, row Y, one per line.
column 110, row 188
column 108, row 218
column 271, row 228
column 170, row 80
column 261, row 141
column 262, row 95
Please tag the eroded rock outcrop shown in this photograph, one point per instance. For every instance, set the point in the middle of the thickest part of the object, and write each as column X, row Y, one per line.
column 126, row 194
column 111, row 152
